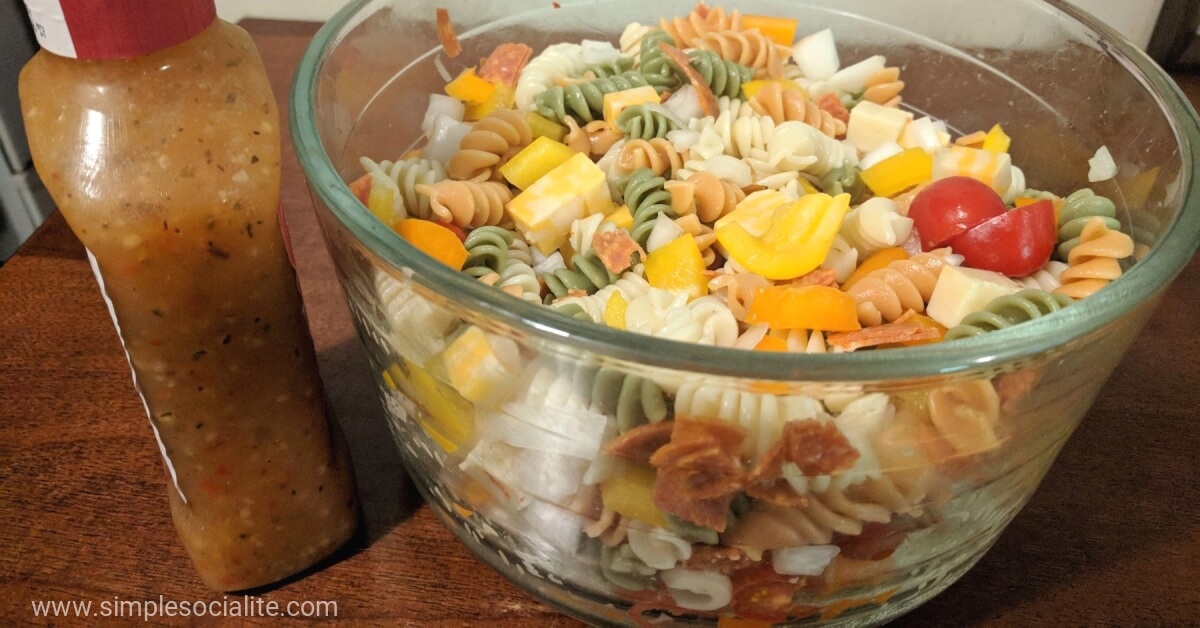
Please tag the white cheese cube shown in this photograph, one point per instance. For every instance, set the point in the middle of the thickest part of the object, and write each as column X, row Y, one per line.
column 993, row 169
column 961, row 291
column 544, row 212
column 872, row 125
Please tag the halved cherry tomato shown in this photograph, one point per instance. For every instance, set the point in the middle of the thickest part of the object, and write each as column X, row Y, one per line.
column 951, row 206
column 1016, row 243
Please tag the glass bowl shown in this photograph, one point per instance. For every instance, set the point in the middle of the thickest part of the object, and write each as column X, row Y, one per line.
column 501, row 408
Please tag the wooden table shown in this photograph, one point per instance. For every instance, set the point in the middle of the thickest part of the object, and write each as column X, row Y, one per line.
column 1111, row 538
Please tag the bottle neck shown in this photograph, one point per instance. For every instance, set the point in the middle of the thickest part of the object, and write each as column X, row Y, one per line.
column 104, row 29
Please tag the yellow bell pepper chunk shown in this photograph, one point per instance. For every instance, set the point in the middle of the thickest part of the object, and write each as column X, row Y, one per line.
column 750, row 89
column 754, row 213
column 899, row 172
column 803, row 307
column 540, row 126
column 502, row 97
column 469, row 88
column 630, row 493
column 1136, row 189
column 616, row 102
column 996, row 140
column 534, row 161
column 382, row 203
column 877, row 260
column 678, row 266
column 433, row 240
column 448, row 419
column 614, row 311
column 808, row 187
column 780, row 30
column 1022, row 201
column 799, row 238
column 621, row 218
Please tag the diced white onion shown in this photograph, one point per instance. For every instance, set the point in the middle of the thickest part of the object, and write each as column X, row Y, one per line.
column 1102, row 166
column 853, row 78
column 807, row 560
column 683, row 139
column 446, row 136
column 441, row 105
column 817, row 55
column 664, row 232
column 598, row 51
column 731, row 169
column 548, row 264
column 879, row 154
column 685, row 104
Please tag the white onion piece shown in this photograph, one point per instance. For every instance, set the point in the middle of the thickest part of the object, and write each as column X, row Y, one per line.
column 683, row 139
column 442, row 105
column 817, row 55
column 598, row 51
column 879, row 154
column 1102, row 166
column 923, row 133
column 685, row 104
column 807, row 560
column 731, row 169
column 548, row 264
column 663, row 233
column 852, row 79
column 751, row 337
column 444, row 140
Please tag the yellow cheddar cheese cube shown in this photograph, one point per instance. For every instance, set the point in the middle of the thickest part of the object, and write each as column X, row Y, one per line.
column 543, row 213
column 621, row 218
column 481, row 366
column 993, row 169
column 616, row 102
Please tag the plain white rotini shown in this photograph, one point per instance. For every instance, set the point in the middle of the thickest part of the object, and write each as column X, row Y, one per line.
column 665, row 314
column 658, row 547
column 630, row 41
column 874, row 225
column 801, row 147
column 761, row 415
column 564, row 59
column 842, row 258
column 402, row 178
column 698, row 590
column 1047, row 278
column 418, row 328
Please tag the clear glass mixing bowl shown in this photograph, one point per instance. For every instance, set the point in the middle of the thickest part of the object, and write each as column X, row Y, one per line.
column 500, row 408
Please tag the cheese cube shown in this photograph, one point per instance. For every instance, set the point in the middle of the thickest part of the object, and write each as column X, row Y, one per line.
column 481, row 366
column 616, row 102
column 993, row 169
column 545, row 210
column 961, row 291
column 872, row 125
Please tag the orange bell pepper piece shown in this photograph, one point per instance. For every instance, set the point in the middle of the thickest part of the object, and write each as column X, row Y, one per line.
column 781, row 30
column 804, row 307
column 771, row 343
column 433, row 240
column 877, row 260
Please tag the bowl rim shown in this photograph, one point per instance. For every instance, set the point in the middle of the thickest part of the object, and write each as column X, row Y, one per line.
column 1144, row 281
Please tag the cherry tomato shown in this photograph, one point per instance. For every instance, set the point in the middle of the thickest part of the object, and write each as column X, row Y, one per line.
column 1016, row 243
column 949, row 207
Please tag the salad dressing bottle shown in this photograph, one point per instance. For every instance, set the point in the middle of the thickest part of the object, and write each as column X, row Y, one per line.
column 154, row 128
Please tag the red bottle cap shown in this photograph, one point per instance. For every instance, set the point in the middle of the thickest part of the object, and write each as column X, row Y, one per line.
column 110, row 29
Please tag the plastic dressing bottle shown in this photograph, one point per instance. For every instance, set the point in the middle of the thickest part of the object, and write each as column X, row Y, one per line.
column 155, row 130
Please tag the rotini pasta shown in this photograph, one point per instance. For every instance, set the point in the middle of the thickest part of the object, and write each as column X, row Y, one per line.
column 883, row 87
column 584, row 100
column 887, row 293
column 800, row 147
column 749, row 48
column 657, row 154
column 594, row 138
column 1076, row 211
column 724, row 77
column 467, row 203
column 1047, row 278
column 660, row 313
column 400, row 179
column 1093, row 262
column 490, row 143
column 688, row 29
column 791, row 105
column 538, row 75
column 632, row 399
column 875, row 225
column 487, row 250
column 646, row 122
column 761, row 415
column 646, row 197
column 1008, row 310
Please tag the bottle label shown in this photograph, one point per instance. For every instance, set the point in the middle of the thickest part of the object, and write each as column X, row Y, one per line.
column 113, row 313
column 99, row 29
